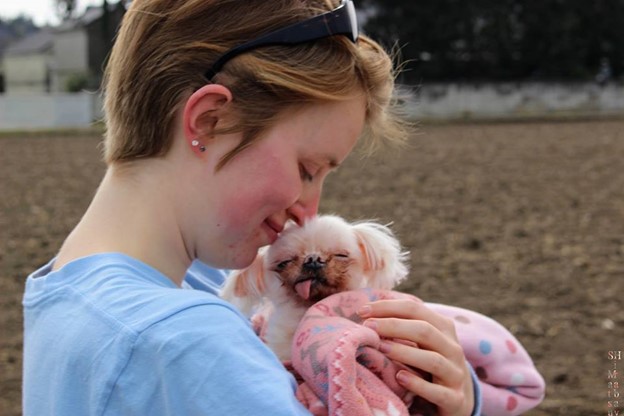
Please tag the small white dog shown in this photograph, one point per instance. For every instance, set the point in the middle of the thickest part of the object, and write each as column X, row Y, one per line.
column 326, row 255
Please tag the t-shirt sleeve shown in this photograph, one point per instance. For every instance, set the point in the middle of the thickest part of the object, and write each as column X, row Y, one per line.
column 204, row 360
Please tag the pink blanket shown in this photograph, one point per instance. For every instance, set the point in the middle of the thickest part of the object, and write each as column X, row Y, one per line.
column 342, row 372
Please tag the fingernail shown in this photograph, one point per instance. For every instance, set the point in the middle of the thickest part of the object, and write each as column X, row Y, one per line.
column 370, row 324
column 385, row 347
column 403, row 377
column 364, row 311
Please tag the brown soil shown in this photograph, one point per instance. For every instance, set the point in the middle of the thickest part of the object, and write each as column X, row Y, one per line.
column 521, row 222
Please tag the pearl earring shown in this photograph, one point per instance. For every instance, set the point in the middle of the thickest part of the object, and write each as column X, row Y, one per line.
column 195, row 143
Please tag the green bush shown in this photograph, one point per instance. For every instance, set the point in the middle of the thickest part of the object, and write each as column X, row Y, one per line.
column 76, row 82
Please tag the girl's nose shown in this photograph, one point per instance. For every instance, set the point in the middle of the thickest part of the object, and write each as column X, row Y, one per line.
column 304, row 208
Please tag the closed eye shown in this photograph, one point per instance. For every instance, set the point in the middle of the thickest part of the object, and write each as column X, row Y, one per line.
column 282, row 265
column 341, row 256
column 305, row 174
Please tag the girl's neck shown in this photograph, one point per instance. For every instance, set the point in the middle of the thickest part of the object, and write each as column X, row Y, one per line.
column 132, row 213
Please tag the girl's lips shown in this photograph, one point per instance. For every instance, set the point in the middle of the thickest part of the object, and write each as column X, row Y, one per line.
column 273, row 229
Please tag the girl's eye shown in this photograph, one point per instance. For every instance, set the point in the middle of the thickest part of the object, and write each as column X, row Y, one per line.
column 305, row 174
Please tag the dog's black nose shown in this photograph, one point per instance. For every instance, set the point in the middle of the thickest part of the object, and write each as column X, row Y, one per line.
column 313, row 263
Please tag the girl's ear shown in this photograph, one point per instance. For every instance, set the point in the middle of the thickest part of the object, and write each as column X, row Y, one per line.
column 202, row 112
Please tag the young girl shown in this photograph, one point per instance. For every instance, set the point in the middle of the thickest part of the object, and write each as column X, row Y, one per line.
column 223, row 119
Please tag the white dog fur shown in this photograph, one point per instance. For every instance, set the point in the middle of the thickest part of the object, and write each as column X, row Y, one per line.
column 326, row 255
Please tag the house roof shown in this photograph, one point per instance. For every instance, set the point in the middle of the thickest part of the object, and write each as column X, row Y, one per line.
column 91, row 14
column 37, row 42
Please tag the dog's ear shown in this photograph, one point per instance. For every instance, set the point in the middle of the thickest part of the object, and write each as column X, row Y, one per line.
column 384, row 262
column 246, row 288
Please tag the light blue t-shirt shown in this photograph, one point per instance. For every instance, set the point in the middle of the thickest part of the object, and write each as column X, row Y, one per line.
column 200, row 276
column 109, row 335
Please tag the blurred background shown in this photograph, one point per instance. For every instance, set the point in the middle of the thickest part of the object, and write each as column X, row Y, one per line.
column 462, row 60
column 510, row 197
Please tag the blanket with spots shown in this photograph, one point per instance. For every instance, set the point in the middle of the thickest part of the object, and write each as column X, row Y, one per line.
column 341, row 371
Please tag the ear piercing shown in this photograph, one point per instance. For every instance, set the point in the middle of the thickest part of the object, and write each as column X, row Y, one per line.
column 195, row 143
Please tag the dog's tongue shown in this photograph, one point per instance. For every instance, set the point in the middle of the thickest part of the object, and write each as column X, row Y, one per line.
column 303, row 288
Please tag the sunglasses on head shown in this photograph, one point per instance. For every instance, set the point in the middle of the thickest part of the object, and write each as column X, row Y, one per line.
column 340, row 21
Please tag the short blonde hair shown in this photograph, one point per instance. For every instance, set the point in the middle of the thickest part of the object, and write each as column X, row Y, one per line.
column 164, row 47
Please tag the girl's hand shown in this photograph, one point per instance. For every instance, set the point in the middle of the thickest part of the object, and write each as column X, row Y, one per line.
column 429, row 344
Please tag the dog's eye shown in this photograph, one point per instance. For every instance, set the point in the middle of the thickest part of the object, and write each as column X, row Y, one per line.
column 341, row 256
column 282, row 265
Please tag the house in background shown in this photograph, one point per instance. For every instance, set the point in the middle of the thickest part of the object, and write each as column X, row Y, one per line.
column 81, row 46
column 27, row 64
column 10, row 31
column 67, row 58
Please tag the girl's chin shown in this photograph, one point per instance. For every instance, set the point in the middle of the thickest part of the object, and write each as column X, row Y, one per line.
column 244, row 259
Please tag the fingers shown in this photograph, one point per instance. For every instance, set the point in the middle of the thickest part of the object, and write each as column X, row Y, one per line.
column 412, row 320
column 406, row 309
column 424, row 334
column 449, row 401
column 450, row 388
column 429, row 361
column 426, row 341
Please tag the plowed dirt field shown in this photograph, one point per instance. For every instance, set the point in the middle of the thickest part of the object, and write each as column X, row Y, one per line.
column 522, row 222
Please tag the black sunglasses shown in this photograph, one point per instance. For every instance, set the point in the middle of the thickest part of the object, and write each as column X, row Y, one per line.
column 340, row 21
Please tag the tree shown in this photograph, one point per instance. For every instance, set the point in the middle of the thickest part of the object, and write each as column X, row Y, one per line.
column 502, row 39
column 65, row 8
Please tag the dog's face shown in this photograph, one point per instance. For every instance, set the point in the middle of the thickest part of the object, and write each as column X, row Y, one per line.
column 328, row 255
column 318, row 259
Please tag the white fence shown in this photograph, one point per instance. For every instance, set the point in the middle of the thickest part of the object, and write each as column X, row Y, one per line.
column 435, row 101
column 495, row 101
column 49, row 111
